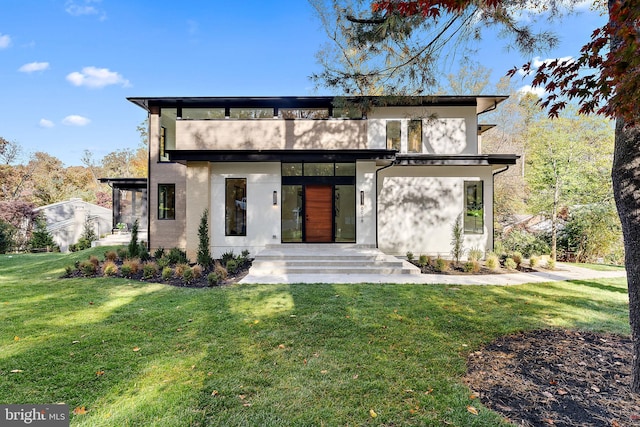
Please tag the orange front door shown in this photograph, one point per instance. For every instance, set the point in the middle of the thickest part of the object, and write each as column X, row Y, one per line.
column 319, row 213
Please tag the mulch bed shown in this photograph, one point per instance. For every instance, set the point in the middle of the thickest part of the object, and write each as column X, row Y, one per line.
column 557, row 378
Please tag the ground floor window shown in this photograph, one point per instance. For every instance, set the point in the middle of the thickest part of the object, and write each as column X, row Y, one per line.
column 166, row 201
column 473, row 207
column 236, row 207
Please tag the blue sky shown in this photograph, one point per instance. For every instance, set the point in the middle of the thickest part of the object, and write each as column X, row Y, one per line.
column 67, row 66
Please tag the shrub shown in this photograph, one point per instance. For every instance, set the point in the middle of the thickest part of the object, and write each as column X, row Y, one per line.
column 197, row 271
column 149, row 269
column 213, row 279
column 122, row 253
column 471, row 267
column 41, row 238
column 524, row 242
column 126, row 269
column 423, row 261
column 87, row 236
column 187, row 275
column 143, row 252
column 534, row 261
column 177, row 256
column 158, row 253
column 410, row 256
column 162, row 262
column 6, row 237
column 517, row 258
column 492, row 262
column 220, row 270
column 133, row 248
column 94, row 260
column 457, row 239
column 510, row 264
column 551, row 264
column 232, row 266
column 180, row 269
column 441, row 265
column 167, row 273
column 110, row 255
column 131, row 266
column 109, row 268
column 204, row 254
column 68, row 271
column 88, row 268
column 227, row 256
column 244, row 253
column 475, row 254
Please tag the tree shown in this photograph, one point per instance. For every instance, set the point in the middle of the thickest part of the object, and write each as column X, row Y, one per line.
column 568, row 163
column 41, row 238
column 603, row 78
column 204, row 253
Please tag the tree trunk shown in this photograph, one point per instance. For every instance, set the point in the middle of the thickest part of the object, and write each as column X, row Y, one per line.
column 626, row 189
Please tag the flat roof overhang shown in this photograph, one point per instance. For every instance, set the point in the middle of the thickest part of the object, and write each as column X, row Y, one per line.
column 184, row 156
column 455, row 160
column 483, row 103
column 125, row 182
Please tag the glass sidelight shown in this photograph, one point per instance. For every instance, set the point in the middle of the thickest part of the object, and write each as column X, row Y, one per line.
column 292, row 215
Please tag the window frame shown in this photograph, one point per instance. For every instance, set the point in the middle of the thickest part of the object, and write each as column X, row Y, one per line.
column 227, row 229
column 164, row 216
column 389, row 141
column 478, row 212
column 417, row 125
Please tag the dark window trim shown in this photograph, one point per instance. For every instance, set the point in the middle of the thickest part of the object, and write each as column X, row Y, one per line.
column 226, row 232
column 466, row 209
column 174, row 202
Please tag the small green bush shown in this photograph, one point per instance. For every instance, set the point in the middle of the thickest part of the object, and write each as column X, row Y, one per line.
column 232, row 266
column 177, row 256
column 122, row 253
column 534, row 260
column 510, row 264
column 149, row 269
column 162, row 262
column 88, row 268
column 94, row 260
column 227, row 256
column 167, row 273
column 143, row 252
column 126, row 269
column 187, row 275
column 410, row 256
column 471, row 267
column 68, row 270
column 109, row 269
column 423, row 261
column 551, row 264
column 441, row 265
column 492, row 262
column 213, row 279
column 158, row 253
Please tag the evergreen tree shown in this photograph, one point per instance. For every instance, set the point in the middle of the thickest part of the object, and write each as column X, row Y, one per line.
column 41, row 238
column 204, row 255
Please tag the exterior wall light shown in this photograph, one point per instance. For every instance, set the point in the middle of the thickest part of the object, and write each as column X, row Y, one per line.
column 361, row 198
column 275, row 198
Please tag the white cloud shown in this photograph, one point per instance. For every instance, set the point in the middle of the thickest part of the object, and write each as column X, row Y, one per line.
column 45, row 123
column 34, row 66
column 84, row 7
column 5, row 41
column 75, row 120
column 538, row 91
column 96, row 78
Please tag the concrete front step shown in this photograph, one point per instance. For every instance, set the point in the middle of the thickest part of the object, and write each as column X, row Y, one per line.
column 313, row 259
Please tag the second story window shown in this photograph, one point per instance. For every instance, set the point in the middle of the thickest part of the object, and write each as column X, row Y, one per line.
column 415, row 137
column 163, row 141
column 166, row 201
column 393, row 135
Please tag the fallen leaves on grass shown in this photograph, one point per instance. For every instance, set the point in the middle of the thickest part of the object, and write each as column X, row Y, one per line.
column 80, row 410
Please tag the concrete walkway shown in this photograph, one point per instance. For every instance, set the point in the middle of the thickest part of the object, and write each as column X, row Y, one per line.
column 562, row 272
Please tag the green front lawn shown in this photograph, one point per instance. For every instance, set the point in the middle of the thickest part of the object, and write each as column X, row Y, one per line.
column 144, row 354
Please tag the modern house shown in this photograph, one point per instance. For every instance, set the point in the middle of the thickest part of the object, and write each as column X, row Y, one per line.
column 387, row 173
column 66, row 220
